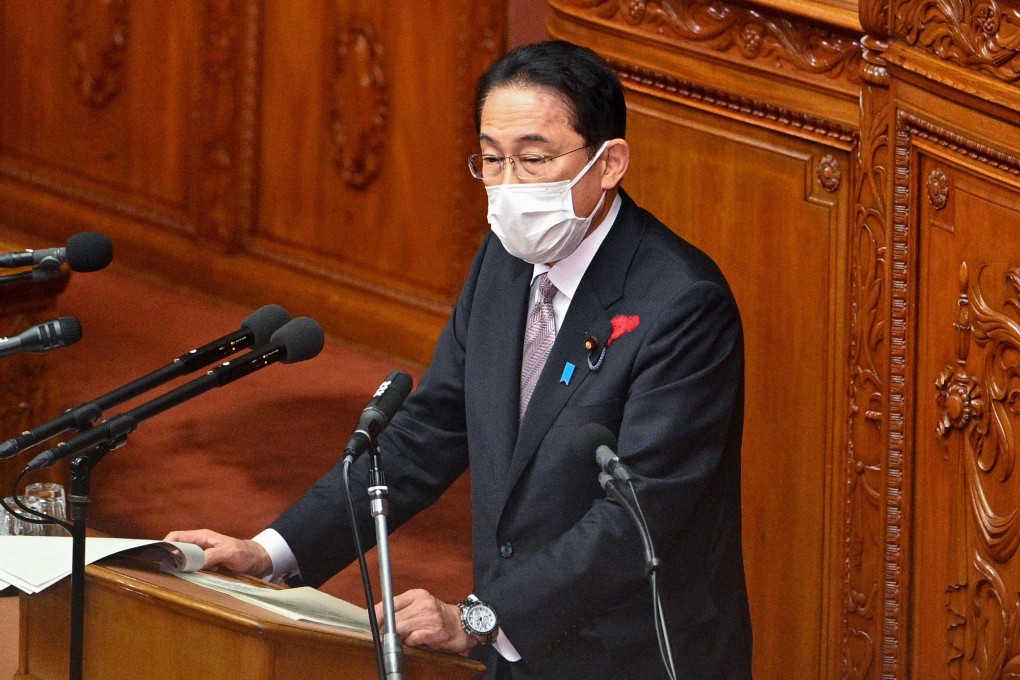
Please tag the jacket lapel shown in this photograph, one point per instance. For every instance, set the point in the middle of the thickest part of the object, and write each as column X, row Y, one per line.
column 601, row 286
column 498, row 377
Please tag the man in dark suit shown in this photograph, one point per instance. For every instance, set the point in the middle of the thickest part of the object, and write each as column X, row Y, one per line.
column 580, row 308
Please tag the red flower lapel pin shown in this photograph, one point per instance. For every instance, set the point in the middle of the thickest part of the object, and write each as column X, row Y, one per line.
column 622, row 324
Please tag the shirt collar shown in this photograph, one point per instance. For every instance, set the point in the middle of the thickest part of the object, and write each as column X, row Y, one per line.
column 567, row 273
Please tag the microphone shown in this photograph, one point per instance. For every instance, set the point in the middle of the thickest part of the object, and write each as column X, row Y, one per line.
column 85, row 252
column 297, row 340
column 598, row 438
column 44, row 336
column 256, row 330
column 380, row 410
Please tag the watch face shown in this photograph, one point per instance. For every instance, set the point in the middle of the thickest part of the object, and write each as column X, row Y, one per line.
column 481, row 619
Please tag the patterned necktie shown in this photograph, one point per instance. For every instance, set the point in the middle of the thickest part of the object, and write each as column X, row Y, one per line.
column 538, row 339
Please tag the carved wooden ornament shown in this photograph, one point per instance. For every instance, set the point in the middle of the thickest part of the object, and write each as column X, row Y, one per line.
column 360, row 105
column 97, row 49
column 830, row 173
column 938, row 189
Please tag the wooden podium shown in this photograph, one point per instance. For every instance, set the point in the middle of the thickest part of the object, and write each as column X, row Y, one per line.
column 141, row 623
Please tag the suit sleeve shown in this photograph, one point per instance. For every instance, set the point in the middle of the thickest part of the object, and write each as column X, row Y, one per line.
column 424, row 450
column 679, row 435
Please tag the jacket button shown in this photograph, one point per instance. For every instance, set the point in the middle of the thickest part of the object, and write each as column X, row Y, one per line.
column 507, row 549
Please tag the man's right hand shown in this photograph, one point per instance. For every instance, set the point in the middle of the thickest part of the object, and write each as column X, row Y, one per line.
column 244, row 557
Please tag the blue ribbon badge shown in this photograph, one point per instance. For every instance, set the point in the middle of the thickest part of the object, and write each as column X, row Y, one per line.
column 568, row 373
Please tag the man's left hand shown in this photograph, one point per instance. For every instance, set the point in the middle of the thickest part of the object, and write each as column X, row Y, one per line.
column 424, row 621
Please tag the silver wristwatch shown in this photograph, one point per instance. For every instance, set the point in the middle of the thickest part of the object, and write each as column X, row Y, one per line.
column 479, row 619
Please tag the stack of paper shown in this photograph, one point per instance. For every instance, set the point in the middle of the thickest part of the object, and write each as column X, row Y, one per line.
column 34, row 563
column 300, row 604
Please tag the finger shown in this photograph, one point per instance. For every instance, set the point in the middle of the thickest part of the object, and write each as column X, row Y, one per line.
column 200, row 537
column 219, row 555
column 407, row 598
column 417, row 638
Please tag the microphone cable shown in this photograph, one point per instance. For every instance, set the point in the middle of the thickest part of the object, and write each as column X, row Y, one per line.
column 366, row 583
column 661, row 631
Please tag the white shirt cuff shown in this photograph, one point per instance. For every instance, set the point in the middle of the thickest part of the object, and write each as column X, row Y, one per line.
column 505, row 648
column 284, row 563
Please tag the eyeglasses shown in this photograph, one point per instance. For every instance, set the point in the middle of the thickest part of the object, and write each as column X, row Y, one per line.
column 526, row 166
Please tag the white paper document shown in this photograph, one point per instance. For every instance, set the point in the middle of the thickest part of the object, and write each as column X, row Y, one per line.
column 34, row 563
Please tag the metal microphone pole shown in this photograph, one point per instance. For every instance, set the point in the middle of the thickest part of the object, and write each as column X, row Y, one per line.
column 377, row 492
column 78, row 501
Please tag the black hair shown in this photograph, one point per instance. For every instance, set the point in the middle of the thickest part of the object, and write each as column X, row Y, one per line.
column 589, row 88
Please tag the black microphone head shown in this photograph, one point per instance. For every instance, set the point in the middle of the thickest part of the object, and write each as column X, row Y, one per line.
column 302, row 338
column 393, row 391
column 262, row 323
column 590, row 437
column 69, row 329
column 88, row 251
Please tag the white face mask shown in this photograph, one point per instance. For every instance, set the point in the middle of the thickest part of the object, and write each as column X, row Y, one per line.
column 536, row 222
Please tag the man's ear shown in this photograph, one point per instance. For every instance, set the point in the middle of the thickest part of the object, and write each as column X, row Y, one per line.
column 617, row 158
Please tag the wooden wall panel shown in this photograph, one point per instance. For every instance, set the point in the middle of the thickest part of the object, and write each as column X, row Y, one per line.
column 890, row 493
column 306, row 154
column 742, row 124
column 95, row 109
column 943, row 106
column 750, row 198
column 956, row 213
column 968, row 345
column 380, row 152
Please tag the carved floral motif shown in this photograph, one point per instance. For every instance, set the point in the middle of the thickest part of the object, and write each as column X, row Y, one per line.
column 830, row 173
column 989, row 438
column 227, row 114
column 994, row 617
column 938, row 189
column 982, row 35
column 97, row 48
column 360, row 105
column 725, row 27
column 984, row 634
column 958, row 397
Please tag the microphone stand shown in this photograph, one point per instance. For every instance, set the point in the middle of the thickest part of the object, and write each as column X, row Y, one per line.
column 44, row 271
column 78, row 499
column 651, row 561
column 377, row 492
column 11, row 278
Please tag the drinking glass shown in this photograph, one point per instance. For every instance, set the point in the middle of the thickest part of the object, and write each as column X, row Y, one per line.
column 6, row 521
column 14, row 526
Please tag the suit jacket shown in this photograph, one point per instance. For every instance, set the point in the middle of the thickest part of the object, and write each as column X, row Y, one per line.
column 561, row 564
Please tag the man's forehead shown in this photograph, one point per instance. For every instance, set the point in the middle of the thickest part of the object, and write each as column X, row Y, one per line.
column 524, row 114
